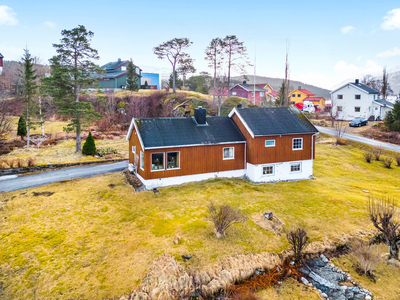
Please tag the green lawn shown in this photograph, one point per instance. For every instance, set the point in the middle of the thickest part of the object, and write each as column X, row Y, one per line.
column 92, row 240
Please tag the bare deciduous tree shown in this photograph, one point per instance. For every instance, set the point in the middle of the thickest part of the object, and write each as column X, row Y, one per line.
column 368, row 256
column 224, row 217
column 5, row 117
column 381, row 213
column 298, row 240
column 287, row 75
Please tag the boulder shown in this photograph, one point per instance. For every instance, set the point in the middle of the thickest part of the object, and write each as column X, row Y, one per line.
column 394, row 262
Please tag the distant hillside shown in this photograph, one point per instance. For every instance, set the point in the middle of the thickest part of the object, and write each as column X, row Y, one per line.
column 275, row 83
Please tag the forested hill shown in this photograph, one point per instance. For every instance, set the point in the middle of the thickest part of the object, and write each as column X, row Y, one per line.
column 275, row 83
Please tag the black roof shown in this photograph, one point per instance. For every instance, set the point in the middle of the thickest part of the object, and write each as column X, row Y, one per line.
column 364, row 87
column 384, row 102
column 168, row 132
column 276, row 120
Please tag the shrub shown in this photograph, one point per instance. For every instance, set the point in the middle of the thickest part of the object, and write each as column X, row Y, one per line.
column 377, row 152
column 223, row 218
column 387, row 162
column 20, row 162
column 21, row 131
column 49, row 142
column 30, row 162
column 11, row 163
column 367, row 256
column 397, row 158
column 103, row 152
column 89, row 147
column 368, row 156
column 298, row 241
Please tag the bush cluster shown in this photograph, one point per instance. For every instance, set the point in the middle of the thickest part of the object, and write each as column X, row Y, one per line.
column 378, row 154
column 16, row 163
column 103, row 152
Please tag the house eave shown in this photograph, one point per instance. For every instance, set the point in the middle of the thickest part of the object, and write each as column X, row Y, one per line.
column 194, row 145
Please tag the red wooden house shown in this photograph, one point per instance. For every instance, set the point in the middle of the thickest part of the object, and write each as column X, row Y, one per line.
column 252, row 92
column 261, row 144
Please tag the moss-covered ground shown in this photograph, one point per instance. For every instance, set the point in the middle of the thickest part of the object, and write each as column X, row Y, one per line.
column 95, row 238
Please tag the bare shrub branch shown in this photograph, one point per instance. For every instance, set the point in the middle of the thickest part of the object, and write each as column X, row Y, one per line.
column 298, row 240
column 367, row 256
column 368, row 156
column 381, row 213
column 387, row 162
column 397, row 158
column 377, row 152
column 224, row 217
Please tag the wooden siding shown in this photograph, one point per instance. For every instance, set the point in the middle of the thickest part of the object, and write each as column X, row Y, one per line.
column 193, row 160
column 257, row 153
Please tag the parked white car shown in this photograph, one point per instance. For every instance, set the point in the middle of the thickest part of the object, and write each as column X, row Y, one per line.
column 308, row 106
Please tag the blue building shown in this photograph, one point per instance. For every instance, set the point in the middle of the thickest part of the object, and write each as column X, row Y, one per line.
column 152, row 79
column 116, row 75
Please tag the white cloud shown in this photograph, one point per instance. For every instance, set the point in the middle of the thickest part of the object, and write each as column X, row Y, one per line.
column 389, row 53
column 346, row 70
column 50, row 24
column 347, row 29
column 373, row 67
column 391, row 20
column 7, row 16
column 359, row 58
column 317, row 80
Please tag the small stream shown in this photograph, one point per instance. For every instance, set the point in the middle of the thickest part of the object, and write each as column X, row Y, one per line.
column 331, row 282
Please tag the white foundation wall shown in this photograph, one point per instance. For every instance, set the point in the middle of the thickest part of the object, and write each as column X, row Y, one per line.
column 281, row 171
column 153, row 183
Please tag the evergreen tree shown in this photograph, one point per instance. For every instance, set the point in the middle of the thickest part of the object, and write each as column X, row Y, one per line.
column 392, row 120
column 21, row 131
column 72, row 69
column 89, row 147
column 28, row 77
column 131, row 78
column 281, row 97
column 178, row 82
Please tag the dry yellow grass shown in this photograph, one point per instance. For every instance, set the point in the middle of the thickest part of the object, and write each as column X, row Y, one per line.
column 387, row 277
column 64, row 152
column 289, row 290
column 147, row 92
column 89, row 240
column 50, row 127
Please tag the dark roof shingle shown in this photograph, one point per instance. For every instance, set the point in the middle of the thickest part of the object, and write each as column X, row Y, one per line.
column 276, row 120
column 365, row 88
column 169, row 132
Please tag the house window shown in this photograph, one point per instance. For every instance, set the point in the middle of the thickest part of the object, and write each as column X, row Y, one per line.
column 340, row 108
column 358, row 97
column 173, row 160
column 340, row 97
column 357, row 109
column 123, row 68
column 157, row 161
column 252, row 94
column 298, row 144
column 141, row 160
column 233, row 93
column 374, row 97
column 268, row 170
column 298, row 95
column 261, row 94
column 294, row 95
column 376, row 108
column 292, row 102
column 269, row 143
column 295, row 167
column 228, row 153
column 133, row 149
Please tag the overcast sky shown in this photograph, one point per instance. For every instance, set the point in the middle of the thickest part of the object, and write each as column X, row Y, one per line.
column 330, row 41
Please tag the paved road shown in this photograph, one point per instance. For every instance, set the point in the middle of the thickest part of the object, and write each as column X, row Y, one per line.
column 361, row 139
column 53, row 176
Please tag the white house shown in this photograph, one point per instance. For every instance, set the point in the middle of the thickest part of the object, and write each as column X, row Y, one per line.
column 380, row 108
column 354, row 100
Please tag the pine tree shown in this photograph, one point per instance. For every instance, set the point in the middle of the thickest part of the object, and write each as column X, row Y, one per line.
column 89, row 147
column 21, row 131
column 73, row 69
column 282, row 90
column 28, row 78
column 392, row 120
column 131, row 78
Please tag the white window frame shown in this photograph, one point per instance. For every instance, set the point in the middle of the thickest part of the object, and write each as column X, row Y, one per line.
column 269, row 145
column 273, row 170
column 179, row 161
column 293, row 148
column 340, row 97
column 252, row 94
column 300, row 167
column 340, row 108
column 133, row 149
column 229, row 158
column 355, row 97
column 233, row 93
column 261, row 94
column 151, row 161
column 355, row 108
column 141, row 158
column 123, row 68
